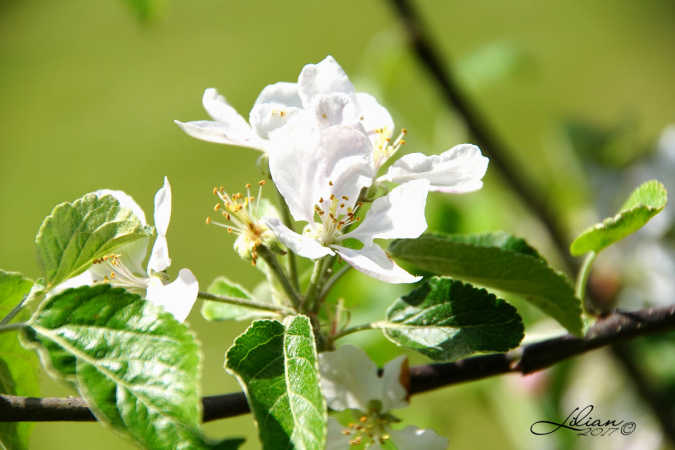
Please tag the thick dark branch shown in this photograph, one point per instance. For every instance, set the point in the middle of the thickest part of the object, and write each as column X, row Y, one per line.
column 616, row 327
column 484, row 136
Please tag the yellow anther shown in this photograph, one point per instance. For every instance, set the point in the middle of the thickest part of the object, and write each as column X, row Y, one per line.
column 344, row 197
column 261, row 183
column 402, row 141
column 363, row 419
column 216, row 207
column 330, row 183
column 208, row 221
column 346, row 432
column 404, row 131
column 112, row 275
column 247, row 185
column 324, row 116
column 215, row 190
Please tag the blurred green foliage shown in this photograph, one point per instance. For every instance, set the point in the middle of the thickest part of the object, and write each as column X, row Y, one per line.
column 89, row 94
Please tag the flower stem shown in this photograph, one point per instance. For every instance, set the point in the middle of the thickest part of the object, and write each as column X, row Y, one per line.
column 242, row 302
column 348, row 331
column 288, row 221
column 12, row 326
column 332, row 280
column 14, row 311
column 315, row 284
column 582, row 277
column 271, row 260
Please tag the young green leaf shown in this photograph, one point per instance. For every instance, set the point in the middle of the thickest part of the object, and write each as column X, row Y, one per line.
column 77, row 233
column 446, row 319
column 223, row 311
column 500, row 261
column 18, row 366
column 134, row 363
column 276, row 364
column 644, row 203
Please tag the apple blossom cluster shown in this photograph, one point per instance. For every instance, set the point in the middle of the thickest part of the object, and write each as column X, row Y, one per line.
column 326, row 144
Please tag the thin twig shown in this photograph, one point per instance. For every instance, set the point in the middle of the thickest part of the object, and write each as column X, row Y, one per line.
column 14, row 311
column 242, row 302
column 617, row 327
column 487, row 140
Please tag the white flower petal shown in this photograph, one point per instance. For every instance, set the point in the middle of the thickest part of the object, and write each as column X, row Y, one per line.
column 86, row 278
column 219, row 133
column 399, row 214
column 177, row 297
column 374, row 262
column 348, row 378
column 308, row 164
column 297, row 243
column 163, row 207
column 282, row 93
column 327, row 77
column 394, row 374
column 132, row 254
column 335, row 439
column 334, row 109
column 375, row 116
column 267, row 117
column 458, row 170
column 159, row 257
column 221, row 111
column 413, row 438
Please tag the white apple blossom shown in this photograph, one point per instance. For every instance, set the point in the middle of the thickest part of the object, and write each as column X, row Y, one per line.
column 125, row 268
column 278, row 102
column 320, row 173
column 350, row 381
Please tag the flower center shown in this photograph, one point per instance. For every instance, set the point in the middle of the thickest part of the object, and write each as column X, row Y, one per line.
column 117, row 274
column 370, row 429
column 242, row 213
column 334, row 213
column 384, row 148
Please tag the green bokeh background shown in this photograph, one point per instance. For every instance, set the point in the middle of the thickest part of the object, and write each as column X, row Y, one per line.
column 88, row 95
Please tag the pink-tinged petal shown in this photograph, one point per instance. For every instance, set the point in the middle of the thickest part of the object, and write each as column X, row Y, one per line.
column 220, row 133
column 302, row 245
column 399, row 214
column 374, row 262
column 309, row 164
column 413, row 438
column 178, row 297
column 458, row 170
column 327, row 77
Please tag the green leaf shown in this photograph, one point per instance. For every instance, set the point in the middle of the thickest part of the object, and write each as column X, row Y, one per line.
column 276, row 364
column 77, row 233
column 446, row 319
column 222, row 311
column 18, row 366
column 644, row 203
column 134, row 363
column 500, row 261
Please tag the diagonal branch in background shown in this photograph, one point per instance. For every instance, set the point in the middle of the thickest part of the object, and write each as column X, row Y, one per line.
column 615, row 328
column 486, row 139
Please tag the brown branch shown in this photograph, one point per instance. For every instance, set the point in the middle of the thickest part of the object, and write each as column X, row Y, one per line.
column 616, row 327
column 423, row 47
